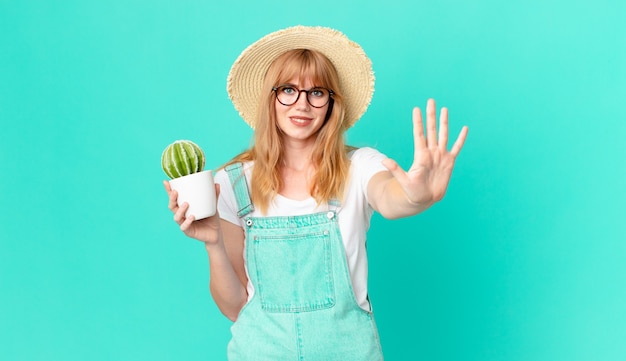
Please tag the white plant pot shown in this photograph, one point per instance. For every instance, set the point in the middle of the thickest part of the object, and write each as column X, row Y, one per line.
column 197, row 189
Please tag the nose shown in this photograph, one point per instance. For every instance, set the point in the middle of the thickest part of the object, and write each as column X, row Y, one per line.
column 303, row 101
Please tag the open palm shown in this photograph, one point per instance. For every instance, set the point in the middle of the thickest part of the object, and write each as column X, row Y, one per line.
column 427, row 179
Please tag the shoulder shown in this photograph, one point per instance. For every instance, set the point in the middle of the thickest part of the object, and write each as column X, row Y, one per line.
column 364, row 164
column 222, row 176
column 368, row 158
column 227, row 201
column 366, row 154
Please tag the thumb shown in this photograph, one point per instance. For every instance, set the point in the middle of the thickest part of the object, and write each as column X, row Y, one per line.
column 217, row 191
column 395, row 170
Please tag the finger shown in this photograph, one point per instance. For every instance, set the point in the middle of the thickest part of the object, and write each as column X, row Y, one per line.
column 173, row 203
column 179, row 216
column 217, row 198
column 418, row 131
column 456, row 148
column 396, row 171
column 431, row 123
column 187, row 223
column 443, row 129
column 167, row 186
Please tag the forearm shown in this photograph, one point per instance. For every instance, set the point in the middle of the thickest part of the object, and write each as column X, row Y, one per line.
column 226, row 288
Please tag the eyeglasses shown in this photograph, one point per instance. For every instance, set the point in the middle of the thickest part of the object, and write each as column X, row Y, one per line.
column 288, row 94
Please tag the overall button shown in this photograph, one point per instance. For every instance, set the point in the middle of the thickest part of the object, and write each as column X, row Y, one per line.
column 330, row 215
column 249, row 222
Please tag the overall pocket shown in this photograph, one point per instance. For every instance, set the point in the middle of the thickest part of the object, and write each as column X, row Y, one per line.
column 294, row 272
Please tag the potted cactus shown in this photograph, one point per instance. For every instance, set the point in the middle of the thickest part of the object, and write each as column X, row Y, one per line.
column 183, row 161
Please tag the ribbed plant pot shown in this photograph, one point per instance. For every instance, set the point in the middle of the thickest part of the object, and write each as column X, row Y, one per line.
column 197, row 189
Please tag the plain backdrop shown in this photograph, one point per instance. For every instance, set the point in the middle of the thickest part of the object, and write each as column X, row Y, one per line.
column 525, row 258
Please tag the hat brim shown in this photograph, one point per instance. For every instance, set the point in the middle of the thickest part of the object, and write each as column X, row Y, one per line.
column 356, row 77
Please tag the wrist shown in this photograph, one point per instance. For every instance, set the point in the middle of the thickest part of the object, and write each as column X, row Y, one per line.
column 215, row 242
column 422, row 203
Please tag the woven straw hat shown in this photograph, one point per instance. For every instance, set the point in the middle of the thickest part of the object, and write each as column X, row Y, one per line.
column 356, row 77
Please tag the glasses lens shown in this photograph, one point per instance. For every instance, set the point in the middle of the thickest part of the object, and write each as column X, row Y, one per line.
column 287, row 95
column 318, row 97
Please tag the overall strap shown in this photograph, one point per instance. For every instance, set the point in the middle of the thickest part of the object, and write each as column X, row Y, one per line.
column 334, row 205
column 240, row 187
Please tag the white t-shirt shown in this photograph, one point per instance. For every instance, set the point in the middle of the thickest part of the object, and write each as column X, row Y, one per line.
column 353, row 215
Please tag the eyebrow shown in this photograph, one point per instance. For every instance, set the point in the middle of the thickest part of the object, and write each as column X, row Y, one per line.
column 297, row 87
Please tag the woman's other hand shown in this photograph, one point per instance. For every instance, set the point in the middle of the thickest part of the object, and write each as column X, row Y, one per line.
column 205, row 230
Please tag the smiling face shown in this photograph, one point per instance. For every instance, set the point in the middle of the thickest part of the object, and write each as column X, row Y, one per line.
column 300, row 121
column 278, row 125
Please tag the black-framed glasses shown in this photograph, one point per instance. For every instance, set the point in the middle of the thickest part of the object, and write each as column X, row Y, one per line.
column 288, row 94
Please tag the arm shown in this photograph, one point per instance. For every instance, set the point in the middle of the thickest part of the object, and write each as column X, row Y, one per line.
column 224, row 244
column 397, row 193
column 228, row 276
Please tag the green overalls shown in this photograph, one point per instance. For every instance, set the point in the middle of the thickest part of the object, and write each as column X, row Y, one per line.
column 303, row 307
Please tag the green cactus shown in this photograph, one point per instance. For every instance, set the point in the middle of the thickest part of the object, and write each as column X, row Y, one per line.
column 181, row 158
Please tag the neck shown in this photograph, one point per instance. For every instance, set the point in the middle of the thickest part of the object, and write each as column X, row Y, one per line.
column 297, row 155
column 297, row 172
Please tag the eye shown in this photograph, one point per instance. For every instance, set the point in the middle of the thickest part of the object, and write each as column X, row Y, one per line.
column 288, row 90
column 318, row 92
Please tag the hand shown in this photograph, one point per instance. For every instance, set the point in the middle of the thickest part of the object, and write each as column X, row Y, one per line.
column 206, row 230
column 427, row 179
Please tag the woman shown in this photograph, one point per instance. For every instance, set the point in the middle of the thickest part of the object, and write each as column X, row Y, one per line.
column 287, row 247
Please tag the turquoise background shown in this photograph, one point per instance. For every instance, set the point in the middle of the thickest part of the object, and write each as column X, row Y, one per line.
column 525, row 258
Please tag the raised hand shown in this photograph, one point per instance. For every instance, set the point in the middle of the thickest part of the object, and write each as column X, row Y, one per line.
column 427, row 179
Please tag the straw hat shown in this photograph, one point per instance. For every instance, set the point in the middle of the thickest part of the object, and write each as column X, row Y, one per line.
column 356, row 77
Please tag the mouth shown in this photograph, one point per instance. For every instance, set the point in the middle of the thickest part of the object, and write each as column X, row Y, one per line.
column 300, row 121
